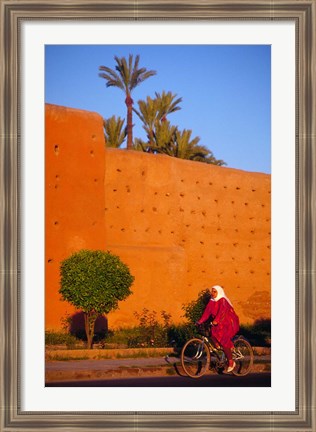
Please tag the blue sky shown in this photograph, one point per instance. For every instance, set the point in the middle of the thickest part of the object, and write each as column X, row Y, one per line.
column 225, row 90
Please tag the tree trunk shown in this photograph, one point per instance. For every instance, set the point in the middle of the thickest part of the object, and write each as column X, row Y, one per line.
column 129, row 125
column 89, row 321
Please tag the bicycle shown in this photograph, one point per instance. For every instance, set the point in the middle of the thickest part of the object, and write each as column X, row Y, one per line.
column 200, row 354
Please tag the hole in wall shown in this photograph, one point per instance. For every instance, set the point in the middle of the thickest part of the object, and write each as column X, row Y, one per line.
column 91, row 153
column 56, row 149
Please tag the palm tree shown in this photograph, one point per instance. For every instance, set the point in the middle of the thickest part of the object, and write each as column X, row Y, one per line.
column 147, row 113
column 153, row 112
column 126, row 76
column 167, row 104
column 183, row 147
column 114, row 132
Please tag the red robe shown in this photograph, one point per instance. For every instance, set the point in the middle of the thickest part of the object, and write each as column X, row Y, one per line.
column 228, row 322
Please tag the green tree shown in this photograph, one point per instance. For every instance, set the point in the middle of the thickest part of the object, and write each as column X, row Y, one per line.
column 126, row 76
column 114, row 132
column 94, row 281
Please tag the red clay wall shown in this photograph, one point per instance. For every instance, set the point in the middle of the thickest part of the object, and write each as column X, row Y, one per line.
column 74, row 189
column 180, row 226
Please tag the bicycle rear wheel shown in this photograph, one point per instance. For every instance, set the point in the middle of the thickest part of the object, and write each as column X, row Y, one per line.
column 195, row 358
column 243, row 356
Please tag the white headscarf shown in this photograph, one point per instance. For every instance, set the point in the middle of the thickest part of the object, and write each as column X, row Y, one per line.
column 220, row 294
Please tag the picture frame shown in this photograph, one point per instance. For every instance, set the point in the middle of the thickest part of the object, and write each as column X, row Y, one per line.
column 303, row 14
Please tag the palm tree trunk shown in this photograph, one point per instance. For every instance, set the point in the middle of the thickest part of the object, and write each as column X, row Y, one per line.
column 129, row 124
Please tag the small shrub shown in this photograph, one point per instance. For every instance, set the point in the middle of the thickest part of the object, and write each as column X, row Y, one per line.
column 60, row 338
column 194, row 309
column 258, row 333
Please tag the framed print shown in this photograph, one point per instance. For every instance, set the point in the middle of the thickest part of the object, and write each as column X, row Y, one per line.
column 28, row 28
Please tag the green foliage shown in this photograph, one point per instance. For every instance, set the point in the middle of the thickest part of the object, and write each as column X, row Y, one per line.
column 60, row 338
column 165, row 138
column 194, row 309
column 114, row 132
column 127, row 74
column 179, row 334
column 151, row 332
column 94, row 281
column 258, row 333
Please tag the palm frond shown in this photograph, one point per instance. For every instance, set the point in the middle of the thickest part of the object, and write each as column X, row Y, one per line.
column 114, row 132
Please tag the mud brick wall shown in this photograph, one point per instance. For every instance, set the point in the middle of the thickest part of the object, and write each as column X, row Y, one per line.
column 180, row 226
column 74, row 195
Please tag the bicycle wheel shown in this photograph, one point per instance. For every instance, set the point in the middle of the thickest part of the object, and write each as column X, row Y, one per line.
column 243, row 356
column 195, row 358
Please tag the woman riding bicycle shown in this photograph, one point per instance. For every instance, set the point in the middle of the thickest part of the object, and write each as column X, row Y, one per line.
column 225, row 322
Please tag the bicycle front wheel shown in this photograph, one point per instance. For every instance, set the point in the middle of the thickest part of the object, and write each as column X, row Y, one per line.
column 195, row 358
column 243, row 356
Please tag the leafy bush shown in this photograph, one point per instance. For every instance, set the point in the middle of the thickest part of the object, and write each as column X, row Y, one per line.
column 258, row 333
column 194, row 310
column 60, row 338
column 179, row 334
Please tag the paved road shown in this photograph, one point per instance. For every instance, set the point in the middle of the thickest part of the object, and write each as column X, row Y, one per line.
column 251, row 380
